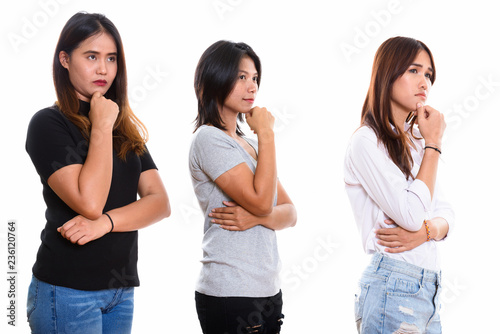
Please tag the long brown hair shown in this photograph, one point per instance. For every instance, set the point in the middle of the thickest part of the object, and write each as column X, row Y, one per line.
column 391, row 61
column 129, row 133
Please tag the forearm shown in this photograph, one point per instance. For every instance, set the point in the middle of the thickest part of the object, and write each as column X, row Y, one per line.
column 94, row 180
column 428, row 169
column 141, row 213
column 438, row 228
column 281, row 217
column 265, row 173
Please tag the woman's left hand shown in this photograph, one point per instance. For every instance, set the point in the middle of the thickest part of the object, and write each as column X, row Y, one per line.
column 80, row 230
column 233, row 217
column 398, row 239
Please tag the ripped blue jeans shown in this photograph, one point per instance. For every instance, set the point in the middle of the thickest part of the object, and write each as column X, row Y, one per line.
column 239, row 315
column 397, row 297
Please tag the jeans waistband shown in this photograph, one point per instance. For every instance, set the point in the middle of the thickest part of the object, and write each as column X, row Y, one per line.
column 381, row 261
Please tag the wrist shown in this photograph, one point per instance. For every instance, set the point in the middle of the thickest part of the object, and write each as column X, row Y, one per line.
column 427, row 230
column 435, row 143
column 109, row 223
column 265, row 135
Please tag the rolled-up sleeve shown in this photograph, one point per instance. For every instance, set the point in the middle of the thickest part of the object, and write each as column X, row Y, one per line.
column 443, row 209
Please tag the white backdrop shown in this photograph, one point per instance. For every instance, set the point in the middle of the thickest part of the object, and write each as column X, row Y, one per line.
column 317, row 58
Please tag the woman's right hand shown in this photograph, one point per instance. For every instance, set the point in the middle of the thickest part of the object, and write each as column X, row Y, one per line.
column 103, row 112
column 431, row 124
column 259, row 119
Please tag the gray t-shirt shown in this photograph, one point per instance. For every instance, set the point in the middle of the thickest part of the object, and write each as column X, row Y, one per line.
column 235, row 263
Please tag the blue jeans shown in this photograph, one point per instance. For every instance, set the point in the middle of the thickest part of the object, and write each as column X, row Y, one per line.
column 397, row 297
column 56, row 309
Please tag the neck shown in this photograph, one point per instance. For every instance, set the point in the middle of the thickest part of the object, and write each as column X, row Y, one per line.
column 399, row 117
column 229, row 120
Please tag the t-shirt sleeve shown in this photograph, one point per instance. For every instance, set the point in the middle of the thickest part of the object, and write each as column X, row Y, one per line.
column 215, row 153
column 50, row 143
column 147, row 161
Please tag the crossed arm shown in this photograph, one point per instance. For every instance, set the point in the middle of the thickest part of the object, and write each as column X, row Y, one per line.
column 398, row 240
column 152, row 207
column 233, row 217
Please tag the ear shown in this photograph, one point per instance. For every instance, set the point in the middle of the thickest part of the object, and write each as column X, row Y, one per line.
column 64, row 59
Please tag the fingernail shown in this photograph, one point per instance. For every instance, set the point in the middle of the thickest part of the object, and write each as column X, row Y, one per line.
column 210, row 214
column 419, row 105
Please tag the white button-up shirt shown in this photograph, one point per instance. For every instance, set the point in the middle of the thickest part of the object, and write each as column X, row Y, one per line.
column 378, row 190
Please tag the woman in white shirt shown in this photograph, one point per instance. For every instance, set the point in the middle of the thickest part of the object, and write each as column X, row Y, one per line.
column 390, row 175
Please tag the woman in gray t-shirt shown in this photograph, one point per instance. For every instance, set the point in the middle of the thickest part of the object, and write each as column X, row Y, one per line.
column 235, row 181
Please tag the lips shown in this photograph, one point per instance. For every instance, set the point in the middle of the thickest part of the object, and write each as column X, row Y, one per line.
column 249, row 100
column 101, row 82
column 422, row 95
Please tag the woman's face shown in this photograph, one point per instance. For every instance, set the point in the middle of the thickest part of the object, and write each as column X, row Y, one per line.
column 241, row 98
column 413, row 86
column 92, row 66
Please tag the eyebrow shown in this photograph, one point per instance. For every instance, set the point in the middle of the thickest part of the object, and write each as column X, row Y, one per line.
column 421, row 66
column 241, row 71
column 97, row 52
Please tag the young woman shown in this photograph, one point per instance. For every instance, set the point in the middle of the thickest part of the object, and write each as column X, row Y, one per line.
column 390, row 175
column 89, row 150
column 235, row 181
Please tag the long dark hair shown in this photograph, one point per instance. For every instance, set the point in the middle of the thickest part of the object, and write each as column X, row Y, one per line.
column 391, row 61
column 129, row 134
column 215, row 77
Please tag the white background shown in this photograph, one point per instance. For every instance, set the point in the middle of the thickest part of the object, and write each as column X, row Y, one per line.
column 317, row 58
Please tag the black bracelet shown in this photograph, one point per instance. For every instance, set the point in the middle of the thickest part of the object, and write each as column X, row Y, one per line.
column 434, row 148
column 111, row 220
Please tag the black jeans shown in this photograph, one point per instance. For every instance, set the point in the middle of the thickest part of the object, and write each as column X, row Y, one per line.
column 239, row 315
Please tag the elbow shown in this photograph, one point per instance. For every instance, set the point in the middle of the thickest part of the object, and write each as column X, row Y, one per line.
column 90, row 210
column 262, row 210
column 91, row 213
column 413, row 223
column 294, row 217
column 164, row 208
column 167, row 210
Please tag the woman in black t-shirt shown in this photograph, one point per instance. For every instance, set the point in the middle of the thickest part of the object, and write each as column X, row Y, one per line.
column 89, row 150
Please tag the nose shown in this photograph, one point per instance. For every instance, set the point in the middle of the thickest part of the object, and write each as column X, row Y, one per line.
column 424, row 83
column 252, row 86
column 101, row 67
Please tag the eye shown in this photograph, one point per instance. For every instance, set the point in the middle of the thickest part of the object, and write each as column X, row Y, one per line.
column 428, row 75
column 112, row 59
column 92, row 57
column 413, row 70
column 254, row 79
column 242, row 77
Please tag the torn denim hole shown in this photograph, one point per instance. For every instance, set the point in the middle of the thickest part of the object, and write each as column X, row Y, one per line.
column 407, row 328
column 280, row 322
column 405, row 310
column 255, row 329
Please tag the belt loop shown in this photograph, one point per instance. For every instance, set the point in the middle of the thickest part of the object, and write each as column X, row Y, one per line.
column 377, row 258
column 424, row 272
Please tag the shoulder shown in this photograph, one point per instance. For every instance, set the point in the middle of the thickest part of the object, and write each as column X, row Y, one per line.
column 362, row 137
column 47, row 116
column 209, row 136
column 206, row 132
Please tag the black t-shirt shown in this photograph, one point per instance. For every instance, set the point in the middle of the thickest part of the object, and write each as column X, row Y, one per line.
column 109, row 262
